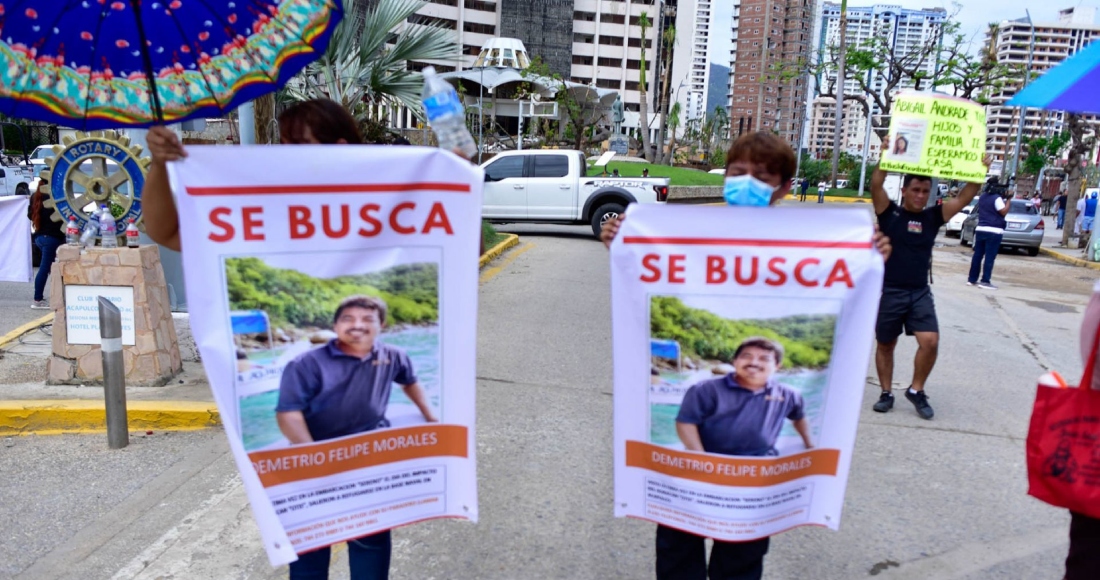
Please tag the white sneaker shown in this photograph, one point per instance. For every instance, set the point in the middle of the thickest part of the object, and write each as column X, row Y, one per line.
column 40, row 305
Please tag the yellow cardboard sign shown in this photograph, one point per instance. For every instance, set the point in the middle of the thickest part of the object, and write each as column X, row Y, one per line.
column 936, row 135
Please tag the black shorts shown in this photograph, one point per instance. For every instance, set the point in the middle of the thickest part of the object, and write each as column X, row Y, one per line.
column 913, row 310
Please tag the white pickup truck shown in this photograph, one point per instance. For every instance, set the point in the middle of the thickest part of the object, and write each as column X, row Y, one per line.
column 551, row 186
column 15, row 177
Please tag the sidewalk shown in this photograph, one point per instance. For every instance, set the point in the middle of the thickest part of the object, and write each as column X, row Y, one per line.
column 1052, row 240
column 28, row 405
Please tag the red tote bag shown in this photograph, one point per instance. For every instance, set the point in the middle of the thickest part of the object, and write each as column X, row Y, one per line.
column 1063, row 442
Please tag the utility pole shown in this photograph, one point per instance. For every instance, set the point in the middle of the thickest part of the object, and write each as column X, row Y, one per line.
column 840, row 88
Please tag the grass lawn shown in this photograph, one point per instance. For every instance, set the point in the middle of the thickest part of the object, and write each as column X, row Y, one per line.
column 490, row 236
column 677, row 175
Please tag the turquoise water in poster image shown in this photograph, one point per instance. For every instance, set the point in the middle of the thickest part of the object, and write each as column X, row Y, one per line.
column 668, row 389
column 260, row 430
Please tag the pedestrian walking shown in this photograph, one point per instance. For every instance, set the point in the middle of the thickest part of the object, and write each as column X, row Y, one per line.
column 755, row 162
column 804, row 187
column 48, row 236
column 907, row 302
column 992, row 209
column 1090, row 214
column 1059, row 205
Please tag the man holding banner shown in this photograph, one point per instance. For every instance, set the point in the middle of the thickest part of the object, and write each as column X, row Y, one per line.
column 907, row 302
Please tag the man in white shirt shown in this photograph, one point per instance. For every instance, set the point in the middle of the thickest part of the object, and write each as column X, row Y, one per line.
column 992, row 209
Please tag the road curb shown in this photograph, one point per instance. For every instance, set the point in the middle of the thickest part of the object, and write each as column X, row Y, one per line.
column 1069, row 259
column 493, row 253
column 52, row 417
column 21, row 330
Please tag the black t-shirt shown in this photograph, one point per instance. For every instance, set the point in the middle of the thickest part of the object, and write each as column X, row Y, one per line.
column 912, row 235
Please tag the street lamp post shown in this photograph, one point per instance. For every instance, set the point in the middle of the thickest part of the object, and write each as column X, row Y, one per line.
column 840, row 87
column 480, row 114
column 1023, row 110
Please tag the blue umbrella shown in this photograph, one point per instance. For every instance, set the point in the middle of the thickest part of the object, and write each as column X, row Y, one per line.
column 1073, row 85
column 89, row 64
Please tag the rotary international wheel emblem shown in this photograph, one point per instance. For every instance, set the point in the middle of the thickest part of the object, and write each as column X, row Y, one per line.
column 95, row 169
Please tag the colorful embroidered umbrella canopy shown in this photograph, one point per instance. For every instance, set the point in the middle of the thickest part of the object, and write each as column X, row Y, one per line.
column 1073, row 85
column 88, row 64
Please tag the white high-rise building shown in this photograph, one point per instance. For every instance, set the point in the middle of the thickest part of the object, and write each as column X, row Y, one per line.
column 1054, row 42
column 691, row 62
column 905, row 31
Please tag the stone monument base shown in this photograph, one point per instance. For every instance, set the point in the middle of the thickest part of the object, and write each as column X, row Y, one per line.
column 154, row 357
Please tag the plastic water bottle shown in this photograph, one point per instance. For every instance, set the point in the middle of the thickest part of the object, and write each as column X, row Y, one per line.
column 446, row 114
column 108, row 229
column 91, row 228
column 132, row 234
column 72, row 232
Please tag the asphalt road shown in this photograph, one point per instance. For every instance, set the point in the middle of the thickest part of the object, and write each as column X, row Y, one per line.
column 942, row 499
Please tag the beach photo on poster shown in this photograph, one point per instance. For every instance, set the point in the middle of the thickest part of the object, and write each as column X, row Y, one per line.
column 282, row 306
column 693, row 339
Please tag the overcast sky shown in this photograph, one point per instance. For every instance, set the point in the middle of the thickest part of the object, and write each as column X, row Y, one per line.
column 974, row 16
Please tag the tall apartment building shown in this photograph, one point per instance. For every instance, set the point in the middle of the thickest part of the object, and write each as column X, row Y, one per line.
column 769, row 35
column 691, row 60
column 607, row 50
column 1054, row 42
column 906, row 31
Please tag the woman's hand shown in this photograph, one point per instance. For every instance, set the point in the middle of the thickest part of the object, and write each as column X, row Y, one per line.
column 164, row 145
column 609, row 230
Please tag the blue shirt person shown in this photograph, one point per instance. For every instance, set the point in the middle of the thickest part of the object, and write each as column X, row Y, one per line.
column 743, row 412
column 341, row 389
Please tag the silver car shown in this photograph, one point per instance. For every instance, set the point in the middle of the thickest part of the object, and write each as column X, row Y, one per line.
column 1025, row 228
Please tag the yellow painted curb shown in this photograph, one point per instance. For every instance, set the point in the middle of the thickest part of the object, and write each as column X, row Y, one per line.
column 495, row 252
column 20, row 331
column 832, row 199
column 51, row 417
column 1069, row 259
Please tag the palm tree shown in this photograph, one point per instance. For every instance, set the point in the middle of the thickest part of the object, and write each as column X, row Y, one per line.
column 643, row 105
column 366, row 60
column 668, row 37
column 673, row 125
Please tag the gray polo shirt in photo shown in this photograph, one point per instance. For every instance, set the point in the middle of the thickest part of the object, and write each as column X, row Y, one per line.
column 733, row 420
column 340, row 394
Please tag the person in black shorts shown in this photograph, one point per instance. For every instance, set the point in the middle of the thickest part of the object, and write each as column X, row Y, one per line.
column 907, row 302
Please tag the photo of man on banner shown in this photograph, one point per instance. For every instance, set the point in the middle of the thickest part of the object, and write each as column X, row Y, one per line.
column 743, row 412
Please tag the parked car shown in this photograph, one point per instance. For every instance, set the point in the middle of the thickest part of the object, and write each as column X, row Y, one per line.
column 1024, row 230
column 955, row 224
column 551, row 187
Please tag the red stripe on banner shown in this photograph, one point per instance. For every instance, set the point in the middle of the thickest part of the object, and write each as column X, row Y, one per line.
column 753, row 243
column 334, row 188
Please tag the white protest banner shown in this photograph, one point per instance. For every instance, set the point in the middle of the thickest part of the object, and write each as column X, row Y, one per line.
column 15, row 260
column 728, row 449
column 274, row 240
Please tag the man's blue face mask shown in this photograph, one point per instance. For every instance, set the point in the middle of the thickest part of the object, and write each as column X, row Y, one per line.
column 746, row 190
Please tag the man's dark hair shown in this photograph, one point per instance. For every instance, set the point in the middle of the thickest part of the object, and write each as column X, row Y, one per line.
column 767, row 149
column 909, row 178
column 763, row 344
column 327, row 121
column 366, row 303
